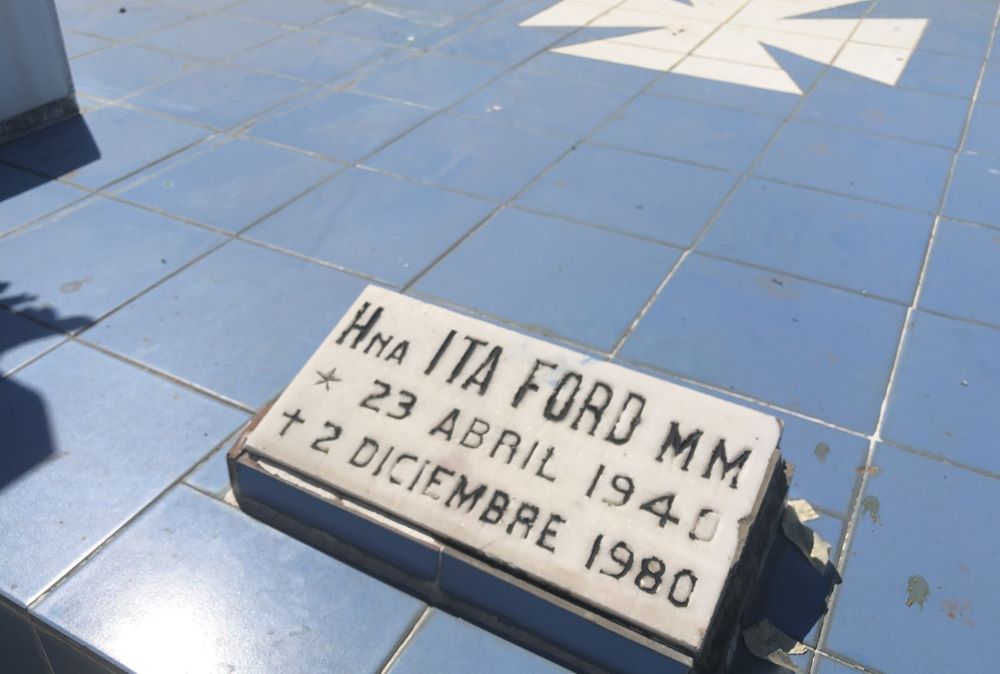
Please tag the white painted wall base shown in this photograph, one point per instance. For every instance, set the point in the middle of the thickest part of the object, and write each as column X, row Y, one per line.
column 35, row 84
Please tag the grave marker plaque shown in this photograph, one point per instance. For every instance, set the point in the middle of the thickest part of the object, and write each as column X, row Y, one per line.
column 638, row 500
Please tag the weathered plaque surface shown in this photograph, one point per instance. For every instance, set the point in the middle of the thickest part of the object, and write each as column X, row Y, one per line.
column 628, row 494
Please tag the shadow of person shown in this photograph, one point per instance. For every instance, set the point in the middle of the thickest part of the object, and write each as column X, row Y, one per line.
column 25, row 435
column 46, row 154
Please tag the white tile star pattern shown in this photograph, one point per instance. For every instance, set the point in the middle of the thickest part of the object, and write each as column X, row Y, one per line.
column 733, row 41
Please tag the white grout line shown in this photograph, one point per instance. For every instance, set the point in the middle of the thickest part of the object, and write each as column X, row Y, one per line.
column 876, row 438
column 410, row 635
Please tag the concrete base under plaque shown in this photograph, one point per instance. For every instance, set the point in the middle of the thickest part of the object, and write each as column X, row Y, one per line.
column 449, row 575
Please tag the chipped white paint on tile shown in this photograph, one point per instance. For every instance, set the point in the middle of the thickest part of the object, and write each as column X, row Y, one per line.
column 622, row 490
column 738, row 31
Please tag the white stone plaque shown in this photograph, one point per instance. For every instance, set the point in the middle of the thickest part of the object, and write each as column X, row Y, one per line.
column 626, row 493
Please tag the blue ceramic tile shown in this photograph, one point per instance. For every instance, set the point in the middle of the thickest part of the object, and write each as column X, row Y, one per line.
column 220, row 96
column 939, row 74
column 213, row 37
column 960, row 27
column 437, row 12
column 545, row 102
column 17, row 642
column 102, row 146
column 657, row 198
column 428, row 79
column 802, row 346
column 91, row 258
column 298, row 13
column 212, row 476
column 963, row 277
column 944, row 396
column 984, row 130
column 472, row 156
column 803, row 71
column 239, row 322
column 371, row 23
column 26, row 196
column 827, row 463
column 920, row 566
column 557, row 277
column 122, row 69
column 729, row 139
column 501, row 41
column 446, row 645
column 78, row 44
column 590, row 70
column 21, row 339
column 236, row 595
column 989, row 90
column 828, row 666
column 108, row 21
column 877, row 108
column 844, row 242
column 94, row 440
column 312, row 55
column 384, row 227
column 858, row 164
column 226, row 184
column 975, row 190
column 342, row 125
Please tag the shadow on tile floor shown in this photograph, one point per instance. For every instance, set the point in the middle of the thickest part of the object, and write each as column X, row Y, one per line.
column 54, row 151
column 19, row 402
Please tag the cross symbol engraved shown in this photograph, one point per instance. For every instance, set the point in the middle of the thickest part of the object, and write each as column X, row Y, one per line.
column 328, row 378
column 293, row 418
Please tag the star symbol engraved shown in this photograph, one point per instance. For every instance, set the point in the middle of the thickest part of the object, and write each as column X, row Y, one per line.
column 328, row 378
column 737, row 41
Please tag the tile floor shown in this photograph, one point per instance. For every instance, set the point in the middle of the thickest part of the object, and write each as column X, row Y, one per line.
column 794, row 204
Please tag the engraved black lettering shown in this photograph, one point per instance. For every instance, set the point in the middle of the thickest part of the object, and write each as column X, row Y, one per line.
column 529, row 383
column 293, row 418
column 440, row 352
column 464, row 360
column 622, row 555
column 384, row 391
column 405, row 404
column 447, row 425
column 362, row 328
column 508, row 439
column 550, row 406
column 416, row 478
column 661, row 507
column 317, row 443
column 381, row 340
column 434, row 481
column 398, row 352
column 527, row 457
column 395, row 464
column 496, row 508
column 463, row 496
column 484, row 373
column 633, row 419
column 526, row 515
column 598, row 392
column 385, row 457
column 549, row 532
column 477, row 429
column 682, row 588
column 719, row 454
column 549, row 453
column 673, row 441
column 705, row 526
column 371, row 446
